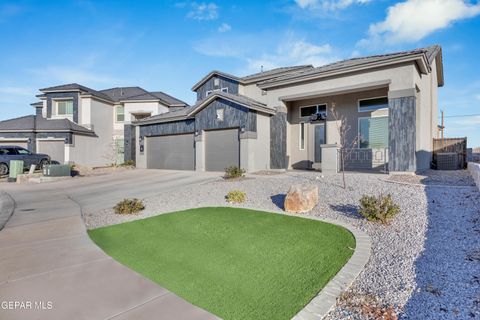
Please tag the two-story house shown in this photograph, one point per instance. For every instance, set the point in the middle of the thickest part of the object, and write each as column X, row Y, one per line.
column 76, row 124
column 283, row 119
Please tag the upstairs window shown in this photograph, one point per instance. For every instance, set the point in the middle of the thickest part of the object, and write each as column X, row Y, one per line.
column 308, row 111
column 224, row 90
column 373, row 132
column 64, row 107
column 209, row 92
column 120, row 113
column 372, row 104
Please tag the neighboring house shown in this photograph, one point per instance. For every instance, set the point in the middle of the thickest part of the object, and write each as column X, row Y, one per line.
column 281, row 119
column 76, row 124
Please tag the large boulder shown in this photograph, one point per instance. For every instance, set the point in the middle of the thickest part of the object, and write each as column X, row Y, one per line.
column 301, row 198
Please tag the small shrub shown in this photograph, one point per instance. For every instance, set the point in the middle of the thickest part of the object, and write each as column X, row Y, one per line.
column 381, row 208
column 129, row 206
column 236, row 196
column 234, row 172
column 128, row 163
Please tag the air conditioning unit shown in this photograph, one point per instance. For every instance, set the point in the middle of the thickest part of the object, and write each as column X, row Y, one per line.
column 447, row 161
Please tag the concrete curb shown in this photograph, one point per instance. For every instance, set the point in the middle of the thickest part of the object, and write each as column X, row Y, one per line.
column 7, row 206
column 425, row 185
column 326, row 299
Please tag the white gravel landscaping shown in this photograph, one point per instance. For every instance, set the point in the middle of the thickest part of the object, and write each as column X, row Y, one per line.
column 430, row 245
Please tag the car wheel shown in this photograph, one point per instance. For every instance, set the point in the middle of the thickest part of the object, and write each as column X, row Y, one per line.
column 3, row 169
column 43, row 163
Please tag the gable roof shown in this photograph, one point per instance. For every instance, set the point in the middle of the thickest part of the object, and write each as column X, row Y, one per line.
column 168, row 99
column 75, row 87
column 190, row 111
column 36, row 123
column 250, row 78
column 428, row 54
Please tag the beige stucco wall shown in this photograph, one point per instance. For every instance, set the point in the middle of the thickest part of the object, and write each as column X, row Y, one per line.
column 101, row 116
column 261, row 146
column 346, row 106
column 84, row 111
column 80, row 152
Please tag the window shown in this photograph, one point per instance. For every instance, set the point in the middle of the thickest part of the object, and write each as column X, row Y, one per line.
column 308, row 111
column 120, row 113
column 22, row 151
column 209, row 92
column 64, row 107
column 7, row 151
column 302, row 136
column 216, row 82
column 220, row 113
column 372, row 104
column 224, row 90
column 373, row 132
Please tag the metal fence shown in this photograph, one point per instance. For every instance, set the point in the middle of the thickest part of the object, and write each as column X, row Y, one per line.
column 360, row 159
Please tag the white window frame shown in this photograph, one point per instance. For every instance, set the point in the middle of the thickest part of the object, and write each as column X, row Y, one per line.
column 116, row 113
column 67, row 115
column 358, row 127
column 313, row 105
column 220, row 114
column 208, row 92
column 302, row 125
column 224, row 89
column 370, row 98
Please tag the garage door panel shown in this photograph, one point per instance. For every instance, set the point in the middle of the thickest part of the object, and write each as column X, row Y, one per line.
column 20, row 143
column 175, row 152
column 222, row 149
column 55, row 149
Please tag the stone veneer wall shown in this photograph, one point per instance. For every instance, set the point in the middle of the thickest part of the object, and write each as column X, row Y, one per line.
column 402, row 134
column 278, row 140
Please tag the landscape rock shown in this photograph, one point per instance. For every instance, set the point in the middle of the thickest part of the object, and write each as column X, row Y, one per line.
column 301, row 198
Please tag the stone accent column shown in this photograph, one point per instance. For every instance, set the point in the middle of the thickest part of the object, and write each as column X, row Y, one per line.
column 402, row 133
column 278, row 139
column 129, row 142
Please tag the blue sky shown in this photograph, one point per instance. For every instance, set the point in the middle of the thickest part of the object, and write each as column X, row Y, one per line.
column 169, row 45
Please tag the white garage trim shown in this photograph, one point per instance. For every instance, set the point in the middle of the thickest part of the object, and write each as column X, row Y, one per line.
column 21, row 142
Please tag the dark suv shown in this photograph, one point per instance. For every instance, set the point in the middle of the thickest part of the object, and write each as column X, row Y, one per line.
column 8, row 153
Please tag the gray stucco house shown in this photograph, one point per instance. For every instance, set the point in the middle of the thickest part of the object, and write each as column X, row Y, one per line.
column 77, row 124
column 281, row 119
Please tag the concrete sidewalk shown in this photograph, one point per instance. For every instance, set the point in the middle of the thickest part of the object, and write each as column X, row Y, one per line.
column 51, row 267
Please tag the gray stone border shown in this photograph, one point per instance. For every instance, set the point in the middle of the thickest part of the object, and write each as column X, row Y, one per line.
column 7, row 206
column 326, row 299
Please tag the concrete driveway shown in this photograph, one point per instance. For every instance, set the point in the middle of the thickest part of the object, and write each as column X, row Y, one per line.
column 49, row 267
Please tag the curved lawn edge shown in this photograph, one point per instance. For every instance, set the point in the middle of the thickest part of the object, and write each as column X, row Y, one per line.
column 326, row 299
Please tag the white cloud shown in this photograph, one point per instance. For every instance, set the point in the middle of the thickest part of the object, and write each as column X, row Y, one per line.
column 477, row 97
column 328, row 5
column 203, row 11
column 412, row 20
column 293, row 52
column 224, row 27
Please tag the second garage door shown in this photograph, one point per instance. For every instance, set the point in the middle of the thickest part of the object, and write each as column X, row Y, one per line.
column 222, row 149
column 18, row 143
column 174, row 152
column 54, row 148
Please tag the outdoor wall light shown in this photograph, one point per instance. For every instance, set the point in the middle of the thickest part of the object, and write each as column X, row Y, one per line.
column 242, row 129
column 196, row 133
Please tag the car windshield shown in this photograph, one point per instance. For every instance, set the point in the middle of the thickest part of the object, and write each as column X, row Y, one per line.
column 23, row 151
column 7, row 151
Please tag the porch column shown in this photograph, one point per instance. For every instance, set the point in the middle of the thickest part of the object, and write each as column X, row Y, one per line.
column 278, row 139
column 402, row 131
column 200, row 152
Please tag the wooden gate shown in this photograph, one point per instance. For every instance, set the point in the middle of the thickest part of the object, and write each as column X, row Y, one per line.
column 451, row 145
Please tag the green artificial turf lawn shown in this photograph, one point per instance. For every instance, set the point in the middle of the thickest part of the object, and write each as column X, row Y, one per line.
column 235, row 263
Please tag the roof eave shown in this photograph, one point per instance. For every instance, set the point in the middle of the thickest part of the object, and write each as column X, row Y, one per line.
column 419, row 57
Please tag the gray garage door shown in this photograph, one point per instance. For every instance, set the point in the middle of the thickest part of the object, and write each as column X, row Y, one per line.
column 54, row 148
column 171, row 152
column 222, row 149
column 19, row 143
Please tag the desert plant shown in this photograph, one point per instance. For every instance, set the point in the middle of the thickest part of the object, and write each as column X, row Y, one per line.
column 234, row 172
column 128, row 163
column 129, row 206
column 236, row 196
column 381, row 208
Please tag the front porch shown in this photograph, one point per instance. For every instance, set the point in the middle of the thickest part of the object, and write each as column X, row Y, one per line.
column 379, row 132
